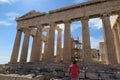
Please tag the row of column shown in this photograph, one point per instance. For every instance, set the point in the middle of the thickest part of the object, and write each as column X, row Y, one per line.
column 24, row 52
column 35, row 55
column 36, row 52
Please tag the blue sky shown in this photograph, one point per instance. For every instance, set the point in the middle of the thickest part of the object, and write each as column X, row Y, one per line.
column 11, row 9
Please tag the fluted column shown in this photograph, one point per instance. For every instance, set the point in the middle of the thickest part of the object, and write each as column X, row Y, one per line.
column 117, row 41
column 33, row 46
column 45, row 46
column 118, row 24
column 104, row 57
column 109, row 41
column 41, row 47
column 67, row 43
column 37, row 44
column 87, row 57
column 45, row 50
column 50, row 46
column 14, row 56
column 24, row 52
column 59, row 43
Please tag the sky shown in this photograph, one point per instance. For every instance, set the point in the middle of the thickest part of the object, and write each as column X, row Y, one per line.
column 11, row 9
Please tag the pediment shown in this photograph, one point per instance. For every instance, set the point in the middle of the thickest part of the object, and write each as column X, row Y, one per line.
column 30, row 14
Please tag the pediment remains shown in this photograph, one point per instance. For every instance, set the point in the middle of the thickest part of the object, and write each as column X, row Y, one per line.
column 31, row 14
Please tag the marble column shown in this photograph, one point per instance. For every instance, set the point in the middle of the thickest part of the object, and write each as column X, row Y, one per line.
column 118, row 24
column 37, row 44
column 59, row 43
column 50, row 46
column 45, row 46
column 87, row 57
column 14, row 56
column 45, row 50
column 109, row 40
column 104, row 57
column 33, row 46
column 41, row 53
column 117, row 41
column 67, row 43
column 24, row 52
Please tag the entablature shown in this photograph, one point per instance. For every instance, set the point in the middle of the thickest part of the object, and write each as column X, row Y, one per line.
column 92, row 9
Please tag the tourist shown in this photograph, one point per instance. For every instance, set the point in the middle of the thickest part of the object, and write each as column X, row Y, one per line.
column 74, row 71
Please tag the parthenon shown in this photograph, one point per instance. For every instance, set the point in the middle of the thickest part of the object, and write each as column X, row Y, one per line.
column 43, row 49
column 33, row 24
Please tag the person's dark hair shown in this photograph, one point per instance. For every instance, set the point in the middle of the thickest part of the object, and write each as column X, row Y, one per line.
column 74, row 62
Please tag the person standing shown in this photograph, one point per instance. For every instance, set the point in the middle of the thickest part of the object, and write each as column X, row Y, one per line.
column 74, row 71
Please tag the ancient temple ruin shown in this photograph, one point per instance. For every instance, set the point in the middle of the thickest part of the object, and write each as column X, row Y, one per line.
column 41, row 27
column 33, row 24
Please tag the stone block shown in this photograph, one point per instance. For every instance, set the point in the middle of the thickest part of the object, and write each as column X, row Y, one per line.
column 117, row 75
column 92, row 75
column 39, row 77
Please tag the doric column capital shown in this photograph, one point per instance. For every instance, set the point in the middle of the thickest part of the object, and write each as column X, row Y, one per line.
column 26, row 29
column 58, row 28
column 19, row 29
column 67, row 21
column 39, row 28
column 105, row 15
column 52, row 24
column 84, row 18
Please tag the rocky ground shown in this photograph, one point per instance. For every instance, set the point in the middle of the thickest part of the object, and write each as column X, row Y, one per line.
column 58, row 71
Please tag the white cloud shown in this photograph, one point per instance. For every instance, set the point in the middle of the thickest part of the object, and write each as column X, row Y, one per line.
column 5, row 23
column 73, row 28
column 4, row 59
column 75, row 25
column 4, row 1
column 12, row 15
column 95, row 42
column 96, row 23
column 80, row 1
column 7, row 1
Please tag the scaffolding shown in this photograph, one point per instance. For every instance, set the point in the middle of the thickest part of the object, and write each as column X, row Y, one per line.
column 76, row 50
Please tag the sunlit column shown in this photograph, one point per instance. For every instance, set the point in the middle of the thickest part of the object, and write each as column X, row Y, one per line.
column 32, row 52
column 14, row 56
column 50, row 46
column 87, row 58
column 109, row 40
column 45, row 46
column 117, row 41
column 37, row 44
column 45, row 50
column 118, row 24
column 67, row 43
column 104, row 57
column 59, row 43
column 24, row 52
